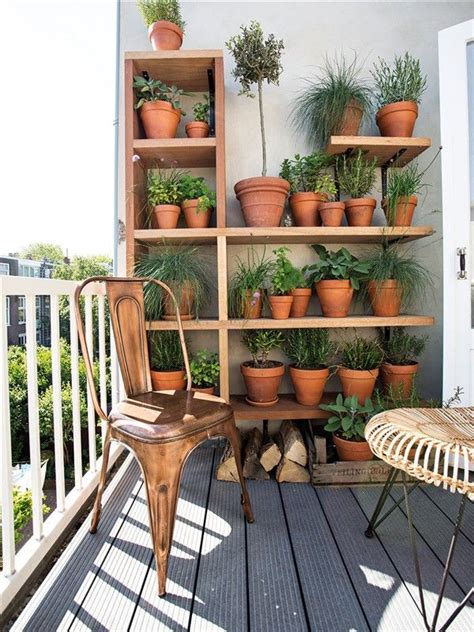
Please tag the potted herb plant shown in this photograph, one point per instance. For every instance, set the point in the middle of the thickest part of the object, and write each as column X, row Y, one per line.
column 164, row 22
column 262, row 376
column 331, row 211
column 185, row 271
column 205, row 369
column 336, row 275
column 347, row 424
column 199, row 126
column 361, row 359
column 257, row 60
column 403, row 187
column 284, row 280
column 167, row 363
column 333, row 103
column 398, row 93
column 164, row 197
column 356, row 176
column 247, row 284
column 198, row 200
column 159, row 106
column 400, row 365
column 301, row 294
column 310, row 351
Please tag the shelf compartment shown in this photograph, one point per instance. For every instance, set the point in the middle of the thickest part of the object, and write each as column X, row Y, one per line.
column 178, row 152
column 385, row 149
column 197, row 236
column 208, row 324
column 315, row 322
column 286, row 408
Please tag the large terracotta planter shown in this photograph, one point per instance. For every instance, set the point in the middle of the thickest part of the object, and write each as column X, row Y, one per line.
column 335, row 297
column 165, row 35
column 165, row 216
column 160, row 119
column 185, row 299
column 301, row 297
column 385, row 297
column 397, row 119
column 252, row 305
column 352, row 450
column 308, row 384
column 331, row 213
column 280, row 306
column 262, row 200
column 209, row 390
column 197, row 129
column 193, row 217
column 262, row 384
column 398, row 379
column 168, row 380
column 305, row 206
column 403, row 212
column 359, row 383
column 360, row 211
column 350, row 123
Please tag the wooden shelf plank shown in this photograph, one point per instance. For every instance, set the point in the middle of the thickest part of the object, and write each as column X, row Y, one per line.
column 196, row 236
column 286, row 408
column 332, row 323
column 385, row 149
column 181, row 152
column 208, row 324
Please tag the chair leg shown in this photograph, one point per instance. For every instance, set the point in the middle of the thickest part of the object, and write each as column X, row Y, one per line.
column 100, row 489
column 392, row 475
column 235, row 443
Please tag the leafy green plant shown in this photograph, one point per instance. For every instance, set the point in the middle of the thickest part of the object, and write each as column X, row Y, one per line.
column 201, row 110
column 303, row 172
column 260, row 342
column 355, row 174
column 403, row 81
column 256, row 60
column 250, row 277
column 319, row 108
column 349, row 418
column 164, row 187
column 361, row 354
column 285, row 276
column 156, row 10
column 309, row 348
column 205, row 369
column 155, row 90
column 326, row 186
column 339, row 265
column 192, row 188
column 401, row 348
column 165, row 351
column 22, row 510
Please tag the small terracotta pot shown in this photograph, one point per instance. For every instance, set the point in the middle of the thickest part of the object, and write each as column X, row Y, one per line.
column 160, row 119
column 359, row 383
column 193, row 217
column 205, row 389
column 280, row 306
column 165, row 35
column 352, row 450
column 168, row 380
column 403, row 212
column 308, row 384
column 304, row 207
column 399, row 377
column 165, row 216
column 397, row 119
column 301, row 297
column 350, row 123
column 385, row 297
column 359, row 211
column 262, row 384
column 252, row 307
column 262, row 200
column 185, row 299
column 197, row 129
column 335, row 297
column 331, row 213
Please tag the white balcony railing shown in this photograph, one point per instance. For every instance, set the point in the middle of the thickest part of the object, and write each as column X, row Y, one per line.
column 17, row 567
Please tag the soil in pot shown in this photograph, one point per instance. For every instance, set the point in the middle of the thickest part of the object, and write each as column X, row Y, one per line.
column 397, row 119
column 168, row 380
column 399, row 379
column 197, row 129
column 331, row 213
column 385, row 297
column 262, row 384
column 308, row 384
column 301, row 297
column 280, row 306
column 262, row 200
column 335, row 297
column 305, row 206
column 204, row 389
column 185, row 299
column 160, row 119
column 252, row 305
column 360, row 211
column 359, row 383
column 403, row 212
column 352, row 450
column 165, row 35
column 165, row 216
column 350, row 123
column 195, row 218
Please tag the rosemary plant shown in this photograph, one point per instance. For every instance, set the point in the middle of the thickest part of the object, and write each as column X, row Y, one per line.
column 402, row 348
column 361, row 354
column 403, row 81
column 156, row 10
column 356, row 175
column 309, row 348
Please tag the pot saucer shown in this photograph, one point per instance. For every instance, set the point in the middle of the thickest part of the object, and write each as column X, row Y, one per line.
column 261, row 404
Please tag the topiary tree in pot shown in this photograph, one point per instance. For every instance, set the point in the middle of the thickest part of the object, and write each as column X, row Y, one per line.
column 257, row 60
column 400, row 366
column 262, row 376
column 164, row 22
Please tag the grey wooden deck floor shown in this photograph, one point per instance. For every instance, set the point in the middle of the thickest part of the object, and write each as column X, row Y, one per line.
column 304, row 564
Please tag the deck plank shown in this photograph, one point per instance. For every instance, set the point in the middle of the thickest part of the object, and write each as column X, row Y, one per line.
column 449, row 504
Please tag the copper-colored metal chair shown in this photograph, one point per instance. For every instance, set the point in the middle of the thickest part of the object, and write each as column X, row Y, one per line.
column 161, row 428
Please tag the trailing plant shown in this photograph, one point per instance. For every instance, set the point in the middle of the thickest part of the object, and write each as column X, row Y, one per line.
column 338, row 265
column 260, row 342
column 201, row 110
column 401, row 348
column 256, row 60
column 309, row 348
column 303, row 172
column 205, row 369
column 349, row 418
column 250, row 277
column 155, row 90
column 361, row 354
column 164, row 187
column 156, row 10
column 319, row 108
column 285, row 276
column 355, row 174
column 192, row 188
column 403, row 81
column 165, row 351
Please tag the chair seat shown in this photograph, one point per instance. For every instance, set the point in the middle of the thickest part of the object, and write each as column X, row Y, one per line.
column 161, row 416
column 435, row 445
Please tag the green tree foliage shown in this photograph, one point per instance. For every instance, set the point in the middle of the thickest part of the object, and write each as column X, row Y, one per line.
column 39, row 251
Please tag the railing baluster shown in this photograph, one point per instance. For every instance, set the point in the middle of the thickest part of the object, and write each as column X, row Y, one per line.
column 113, row 367
column 90, row 404
column 57, row 404
column 102, row 362
column 76, row 401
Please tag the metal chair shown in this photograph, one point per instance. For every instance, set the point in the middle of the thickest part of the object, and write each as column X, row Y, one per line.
column 161, row 428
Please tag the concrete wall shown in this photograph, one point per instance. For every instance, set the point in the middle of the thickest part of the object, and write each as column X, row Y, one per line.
column 310, row 31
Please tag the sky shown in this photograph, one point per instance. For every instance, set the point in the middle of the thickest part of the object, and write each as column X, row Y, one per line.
column 58, row 124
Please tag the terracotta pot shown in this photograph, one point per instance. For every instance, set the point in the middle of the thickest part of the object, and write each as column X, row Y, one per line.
column 205, row 389
column 301, row 297
column 185, row 299
column 308, row 384
column 193, row 217
column 304, row 207
column 359, row 211
column 359, row 383
column 280, row 306
column 197, row 129
column 168, row 380
column 397, row 119
column 352, row 450
column 335, row 297
column 350, row 123
column 331, row 213
column 403, row 212
column 385, row 297
column 252, row 307
column 262, row 200
column 165, row 216
column 399, row 377
column 160, row 119
column 262, row 384
column 165, row 35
